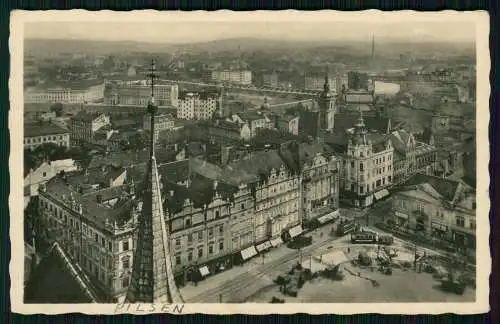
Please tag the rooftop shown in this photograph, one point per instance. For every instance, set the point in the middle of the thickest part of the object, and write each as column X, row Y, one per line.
column 86, row 116
column 101, row 207
column 449, row 190
column 54, row 282
column 43, row 128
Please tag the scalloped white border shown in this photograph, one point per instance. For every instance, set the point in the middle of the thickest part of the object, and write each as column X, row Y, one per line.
column 480, row 18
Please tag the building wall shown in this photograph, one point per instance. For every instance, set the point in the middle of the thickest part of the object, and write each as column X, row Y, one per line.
column 102, row 254
column 32, row 142
column 83, row 130
column 277, row 205
column 442, row 221
column 162, row 123
column 198, row 235
column 56, row 95
column 237, row 76
column 367, row 172
column 319, row 187
column 194, row 107
column 139, row 95
column 242, row 221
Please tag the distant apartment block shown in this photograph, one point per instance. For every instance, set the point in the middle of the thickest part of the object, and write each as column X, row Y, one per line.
column 84, row 125
column 198, row 106
column 270, row 80
column 316, row 82
column 162, row 123
column 139, row 94
column 38, row 133
column 65, row 94
column 232, row 76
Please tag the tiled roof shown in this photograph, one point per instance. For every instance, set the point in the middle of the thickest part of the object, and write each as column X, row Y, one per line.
column 101, row 175
column 99, row 214
column 260, row 163
column 85, row 116
column 56, row 280
column 446, row 188
column 177, row 171
column 43, row 128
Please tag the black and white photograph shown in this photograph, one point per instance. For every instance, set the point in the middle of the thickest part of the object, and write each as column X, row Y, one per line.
column 227, row 158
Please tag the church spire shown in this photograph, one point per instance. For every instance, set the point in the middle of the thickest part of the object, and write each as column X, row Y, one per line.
column 326, row 86
column 152, row 275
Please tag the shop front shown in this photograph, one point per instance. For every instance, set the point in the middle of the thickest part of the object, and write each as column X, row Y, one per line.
column 465, row 242
column 264, row 246
column 247, row 254
column 400, row 219
column 294, row 232
column 439, row 231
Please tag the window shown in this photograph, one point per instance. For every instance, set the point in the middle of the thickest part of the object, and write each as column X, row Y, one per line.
column 352, row 164
column 474, row 205
column 361, row 167
column 389, row 179
column 221, row 245
column 110, row 246
column 177, row 242
column 200, row 235
column 103, row 242
column 125, row 245
column 188, row 221
column 177, row 259
column 221, row 229
column 210, row 232
column 190, row 255
column 126, row 263
column 473, row 225
column 190, row 238
column 460, row 221
column 217, row 214
column 44, row 174
column 361, row 189
column 96, row 238
column 200, row 252
column 210, row 249
column 125, row 282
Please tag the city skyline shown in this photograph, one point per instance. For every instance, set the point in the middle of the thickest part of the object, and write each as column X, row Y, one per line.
column 452, row 32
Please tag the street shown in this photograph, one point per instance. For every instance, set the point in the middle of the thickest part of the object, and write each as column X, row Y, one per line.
column 238, row 284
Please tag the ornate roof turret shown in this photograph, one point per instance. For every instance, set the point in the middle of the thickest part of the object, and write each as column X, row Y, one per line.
column 360, row 131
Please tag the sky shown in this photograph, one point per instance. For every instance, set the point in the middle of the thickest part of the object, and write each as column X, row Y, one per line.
column 200, row 31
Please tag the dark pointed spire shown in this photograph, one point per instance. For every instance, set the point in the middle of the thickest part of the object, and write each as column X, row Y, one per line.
column 326, row 86
column 152, row 106
column 152, row 275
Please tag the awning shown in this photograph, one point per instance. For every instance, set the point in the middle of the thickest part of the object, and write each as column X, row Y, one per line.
column 204, row 271
column 295, row 231
column 438, row 226
column 381, row 194
column 248, row 253
column 263, row 246
column 328, row 217
column 401, row 215
column 277, row 241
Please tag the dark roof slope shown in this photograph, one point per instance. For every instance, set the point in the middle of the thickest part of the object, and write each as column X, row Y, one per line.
column 57, row 281
column 43, row 128
column 445, row 187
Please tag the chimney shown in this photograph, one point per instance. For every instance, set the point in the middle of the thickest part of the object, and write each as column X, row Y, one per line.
column 216, row 183
column 99, row 199
column 171, row 193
